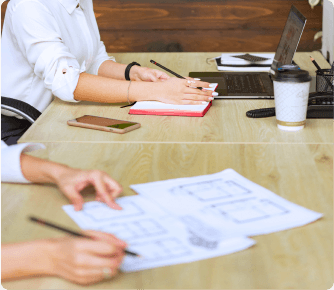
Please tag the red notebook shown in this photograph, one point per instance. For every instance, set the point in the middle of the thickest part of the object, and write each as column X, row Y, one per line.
column 158, row 108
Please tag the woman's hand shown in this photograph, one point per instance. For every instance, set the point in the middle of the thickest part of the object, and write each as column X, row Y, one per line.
column 145, row 74
column 86, row 261
column 71, row 181
column 182, row 92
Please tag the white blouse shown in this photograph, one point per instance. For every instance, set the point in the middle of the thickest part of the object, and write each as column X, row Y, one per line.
column 10, row 161
column 40, row 39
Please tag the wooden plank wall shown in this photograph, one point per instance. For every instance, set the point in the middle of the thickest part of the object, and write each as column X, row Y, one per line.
column 199, row 25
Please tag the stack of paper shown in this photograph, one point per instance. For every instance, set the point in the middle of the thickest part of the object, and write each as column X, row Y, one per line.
column 230, row 63
column 189, row 219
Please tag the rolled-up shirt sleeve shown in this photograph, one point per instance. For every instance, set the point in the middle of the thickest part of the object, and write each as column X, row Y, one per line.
column 10, row 161
column 39, row 40
column 101, row 57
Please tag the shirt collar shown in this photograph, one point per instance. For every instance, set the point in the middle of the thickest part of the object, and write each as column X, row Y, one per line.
column 69, row 5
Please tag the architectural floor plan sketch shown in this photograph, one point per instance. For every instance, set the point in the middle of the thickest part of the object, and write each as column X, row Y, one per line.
column 149, row 230
column 211, row 190
column 190, row 219
column 135, row 229
column 248, row 210
column 227, row 201
column 103, row 213
column 161, row 249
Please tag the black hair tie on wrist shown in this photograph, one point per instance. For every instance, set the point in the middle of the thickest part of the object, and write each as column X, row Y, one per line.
column 127, row 70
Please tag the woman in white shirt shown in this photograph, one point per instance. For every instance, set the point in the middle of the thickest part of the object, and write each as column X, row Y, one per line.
column 53, row 47
column 80, row 260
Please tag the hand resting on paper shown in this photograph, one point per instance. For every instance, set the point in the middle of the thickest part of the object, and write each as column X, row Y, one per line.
column 71, row 181
column 181, row 92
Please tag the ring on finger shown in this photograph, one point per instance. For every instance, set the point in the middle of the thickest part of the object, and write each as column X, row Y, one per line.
column 107, row 273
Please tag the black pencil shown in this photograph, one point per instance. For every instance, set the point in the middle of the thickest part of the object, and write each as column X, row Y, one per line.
column 73, row 233
column 166, row 69
column 316, row 64
column 321, row 72
column 170, row 71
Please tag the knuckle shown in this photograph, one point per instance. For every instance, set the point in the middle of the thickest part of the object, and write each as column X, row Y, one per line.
column 78, row 261
column 96, row 172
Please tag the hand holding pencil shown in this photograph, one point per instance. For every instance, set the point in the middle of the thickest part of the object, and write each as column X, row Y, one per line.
column 185, row 91
column 170, row 90
column 86, row 261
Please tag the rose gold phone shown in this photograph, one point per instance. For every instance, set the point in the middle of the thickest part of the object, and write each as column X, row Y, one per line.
column 104, row 124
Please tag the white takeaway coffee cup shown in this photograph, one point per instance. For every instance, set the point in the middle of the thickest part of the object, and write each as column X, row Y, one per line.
column 291, row 91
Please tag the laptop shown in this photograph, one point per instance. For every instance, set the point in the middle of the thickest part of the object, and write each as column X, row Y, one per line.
column 232, row 85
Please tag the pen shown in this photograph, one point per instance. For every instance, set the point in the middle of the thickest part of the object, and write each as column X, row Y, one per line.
column 170, row 71
column 73, row 233
column 316, row 64
column 321, row 72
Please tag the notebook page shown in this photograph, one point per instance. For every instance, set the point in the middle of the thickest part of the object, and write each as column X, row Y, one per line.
column 152, row 105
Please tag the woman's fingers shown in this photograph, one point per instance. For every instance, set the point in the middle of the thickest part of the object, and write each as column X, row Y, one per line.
column 197, row 92
column 87, row 260
column 98, row 180
column 191, row 102
column 100, row 248
column 89, row 275
column 114, row 187
column 75, row 197
column 106, row 237
column 196, row 83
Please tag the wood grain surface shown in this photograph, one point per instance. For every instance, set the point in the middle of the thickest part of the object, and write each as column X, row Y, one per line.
column 192, row 25
column 300, row 258
column 226, row 120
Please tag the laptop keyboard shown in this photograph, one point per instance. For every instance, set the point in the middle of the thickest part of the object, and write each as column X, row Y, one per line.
column 246, row 83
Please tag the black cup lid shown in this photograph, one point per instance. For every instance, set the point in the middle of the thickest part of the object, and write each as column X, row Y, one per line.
column 292, row 74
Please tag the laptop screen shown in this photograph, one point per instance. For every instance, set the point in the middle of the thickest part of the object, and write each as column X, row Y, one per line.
column 290, row 38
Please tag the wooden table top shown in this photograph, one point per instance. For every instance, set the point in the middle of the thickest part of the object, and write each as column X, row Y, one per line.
column 225, row 122
column 299, row 258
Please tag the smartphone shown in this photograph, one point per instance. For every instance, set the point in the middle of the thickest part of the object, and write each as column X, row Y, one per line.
column 104, row 124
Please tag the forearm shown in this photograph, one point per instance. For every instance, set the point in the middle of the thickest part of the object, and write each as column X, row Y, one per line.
column 39, row 170
column 26, row 259
column 106, row 90
column 111, row 69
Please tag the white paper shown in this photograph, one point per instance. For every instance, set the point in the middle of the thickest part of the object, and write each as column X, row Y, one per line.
column 228, row 59
column 153, row 233
column 227, row 201
column 152, row 105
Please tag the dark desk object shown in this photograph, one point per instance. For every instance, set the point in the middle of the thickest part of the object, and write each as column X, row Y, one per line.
column 320, row 106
